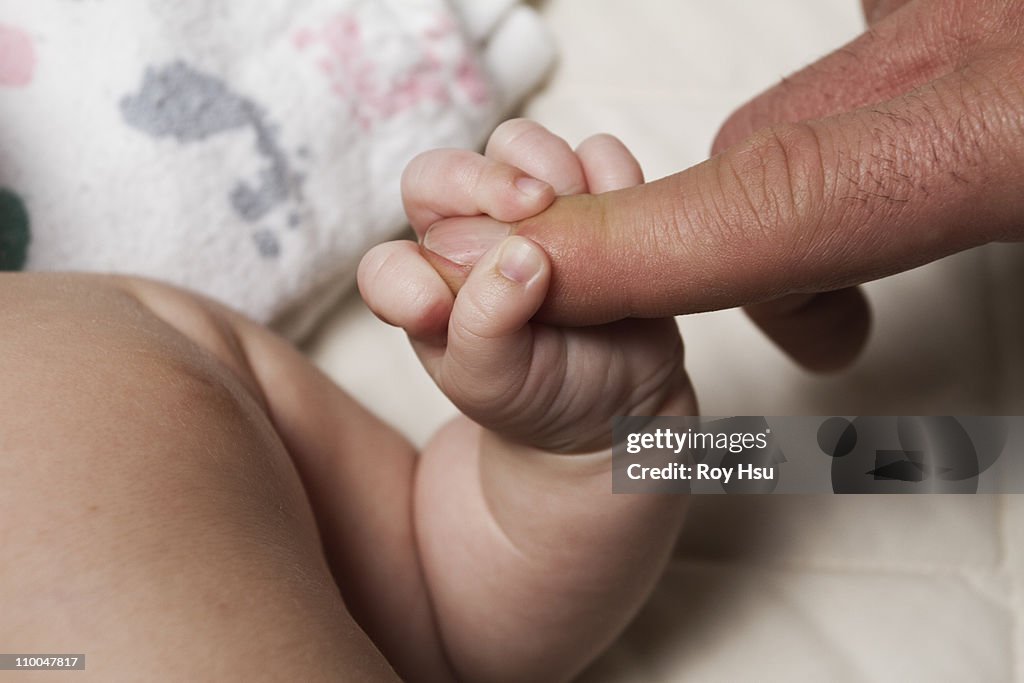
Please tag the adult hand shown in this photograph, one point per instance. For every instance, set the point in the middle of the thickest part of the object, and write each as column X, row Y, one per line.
column 902, row 147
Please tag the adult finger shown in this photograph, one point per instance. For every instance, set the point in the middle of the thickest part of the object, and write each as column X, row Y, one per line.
column 445, row 183
column 802, row 208
column 898, row 53
column 876, row 10
column 799, row 207
column 828, row 332
column 529, row 146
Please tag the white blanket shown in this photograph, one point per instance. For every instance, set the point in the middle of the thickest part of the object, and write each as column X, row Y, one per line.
column 250, row 151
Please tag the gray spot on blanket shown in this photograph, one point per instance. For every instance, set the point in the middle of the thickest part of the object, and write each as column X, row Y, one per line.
column 181, row 102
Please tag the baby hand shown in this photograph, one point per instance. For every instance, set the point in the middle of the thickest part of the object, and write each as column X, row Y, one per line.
column 549, row 387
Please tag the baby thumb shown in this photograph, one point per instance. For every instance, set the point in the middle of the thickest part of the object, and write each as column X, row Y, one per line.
column 490, row 344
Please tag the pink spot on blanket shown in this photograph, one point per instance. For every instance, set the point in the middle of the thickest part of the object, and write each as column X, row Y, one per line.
column 472, row 81
column 437, row 68
column 17, row 57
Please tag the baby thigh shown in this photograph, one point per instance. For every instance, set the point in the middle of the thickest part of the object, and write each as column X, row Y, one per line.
column 149, row 516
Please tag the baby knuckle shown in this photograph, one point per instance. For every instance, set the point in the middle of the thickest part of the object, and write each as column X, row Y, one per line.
column 470, row 381
column 494, row 185
column 413, row 172
column 509, row 134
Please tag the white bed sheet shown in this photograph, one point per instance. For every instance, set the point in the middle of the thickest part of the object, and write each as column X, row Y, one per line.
column 779, row 588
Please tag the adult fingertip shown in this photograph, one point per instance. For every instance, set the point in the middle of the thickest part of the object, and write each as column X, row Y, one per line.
column 463, row 240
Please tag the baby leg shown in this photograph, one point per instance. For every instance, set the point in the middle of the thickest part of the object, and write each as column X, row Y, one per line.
column 150, row 516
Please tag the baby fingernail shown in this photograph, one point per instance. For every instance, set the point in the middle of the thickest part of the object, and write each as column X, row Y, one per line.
column 464, row 240
column 532, row 187
column 520, row 260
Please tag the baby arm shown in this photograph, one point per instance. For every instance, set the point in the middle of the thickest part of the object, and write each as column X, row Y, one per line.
column 499, row 553
column 532, row 565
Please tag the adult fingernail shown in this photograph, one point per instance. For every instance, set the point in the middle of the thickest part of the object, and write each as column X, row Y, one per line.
column 519, row 260
column 464, row 240
column 531, row 187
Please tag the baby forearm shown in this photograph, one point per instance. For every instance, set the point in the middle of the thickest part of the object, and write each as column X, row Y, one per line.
column 533, row 565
